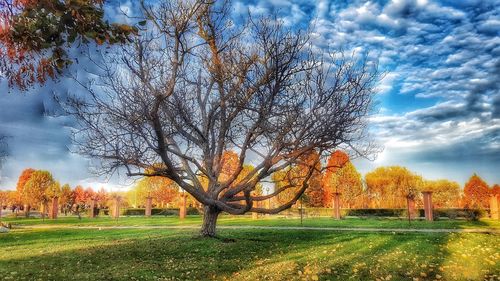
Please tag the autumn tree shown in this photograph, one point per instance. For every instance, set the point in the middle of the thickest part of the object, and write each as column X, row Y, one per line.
column 162, row 191
column 34, row 192
column 21, row 182
column 36, row 35
column 190, row 88
column 390, row 186
column 79, row 195
column 445, row 193
column 53, row 190
column 89, row 194
column 313, row 196
column 101, row 196
column 495, row 190
column 336, row 161
column 291, row 180
column 476, row 193
column 341, row 177
column 66, row 198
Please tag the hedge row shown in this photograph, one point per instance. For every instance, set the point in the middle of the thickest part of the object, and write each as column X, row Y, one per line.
column 157, row 211
column 451, row 213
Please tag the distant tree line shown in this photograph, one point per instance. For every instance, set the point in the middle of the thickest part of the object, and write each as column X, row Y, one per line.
column 384, row 187
column 36, row 188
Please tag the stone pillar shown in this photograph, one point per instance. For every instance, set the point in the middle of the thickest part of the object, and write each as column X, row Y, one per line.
column 92, row 213
column 116, row 208
column 494, row 208
column 336, row 205
column 182, row 207
column 149, row 203
column 411, row 208
column 55, row 208
column 428, row 205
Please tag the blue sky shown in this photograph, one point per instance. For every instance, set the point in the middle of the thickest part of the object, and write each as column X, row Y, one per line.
column 438, row 110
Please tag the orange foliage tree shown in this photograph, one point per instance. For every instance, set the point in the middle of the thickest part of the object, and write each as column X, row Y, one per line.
column 314, row 193
column 66, row 198
column 35, row 36
column 79, row 195
column 336, row 161
column 89, row 194
column 445, row 193
column 229, row 163
column 476, row 193
column 162, row 190
column 35, row 189
column 341, row 176
column 389, row 187
column 4, row 197
column 290, row 181
column 495, row 190
column 21, row 182
column 102, row 197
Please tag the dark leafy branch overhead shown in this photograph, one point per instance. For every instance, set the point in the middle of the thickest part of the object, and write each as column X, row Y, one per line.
column 35, row 36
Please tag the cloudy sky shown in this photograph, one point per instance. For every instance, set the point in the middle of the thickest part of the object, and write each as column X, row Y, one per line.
column 438, row 110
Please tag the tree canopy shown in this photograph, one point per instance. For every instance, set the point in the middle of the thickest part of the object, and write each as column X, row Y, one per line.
column 190, row 88
column 476, row 193
column 390, row 186
column 34, row 191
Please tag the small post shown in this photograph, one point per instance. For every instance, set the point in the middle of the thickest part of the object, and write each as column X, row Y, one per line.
column 116, row 208
column 428, row 205
column 92, row 212
column 494, row 210
column 55, row 208
column 411, row 208
column 149, row 203
column 336, row 206
column 182, row 207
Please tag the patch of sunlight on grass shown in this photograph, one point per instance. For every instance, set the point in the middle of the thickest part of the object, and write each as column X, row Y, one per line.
column 469, row 257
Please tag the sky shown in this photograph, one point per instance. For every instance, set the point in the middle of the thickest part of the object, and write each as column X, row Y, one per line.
column 438, row 102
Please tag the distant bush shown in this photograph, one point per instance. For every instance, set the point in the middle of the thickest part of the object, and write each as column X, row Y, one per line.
column 157, row 211
column 376, row 212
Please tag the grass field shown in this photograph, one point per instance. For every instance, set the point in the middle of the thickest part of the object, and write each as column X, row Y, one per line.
column 246, row 254
column 266, row 221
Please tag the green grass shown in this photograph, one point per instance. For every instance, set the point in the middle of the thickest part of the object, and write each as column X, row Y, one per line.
column 266, row 221
column 249, row 254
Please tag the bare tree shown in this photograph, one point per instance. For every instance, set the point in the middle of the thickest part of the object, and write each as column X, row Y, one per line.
column 193, row 85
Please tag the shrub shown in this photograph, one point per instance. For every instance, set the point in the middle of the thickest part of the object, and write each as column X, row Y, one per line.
column 157, row 211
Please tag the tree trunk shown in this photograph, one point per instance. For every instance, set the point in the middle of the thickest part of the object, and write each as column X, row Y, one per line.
column 210, row 216
column 27, row 210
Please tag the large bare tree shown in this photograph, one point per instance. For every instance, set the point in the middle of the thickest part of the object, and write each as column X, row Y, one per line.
column 193, row 85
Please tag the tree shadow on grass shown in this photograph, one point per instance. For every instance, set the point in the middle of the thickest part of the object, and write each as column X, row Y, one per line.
column 254, row 254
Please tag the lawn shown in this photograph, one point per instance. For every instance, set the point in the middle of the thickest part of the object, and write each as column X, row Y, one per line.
column 244, row 254
column 265, row 221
